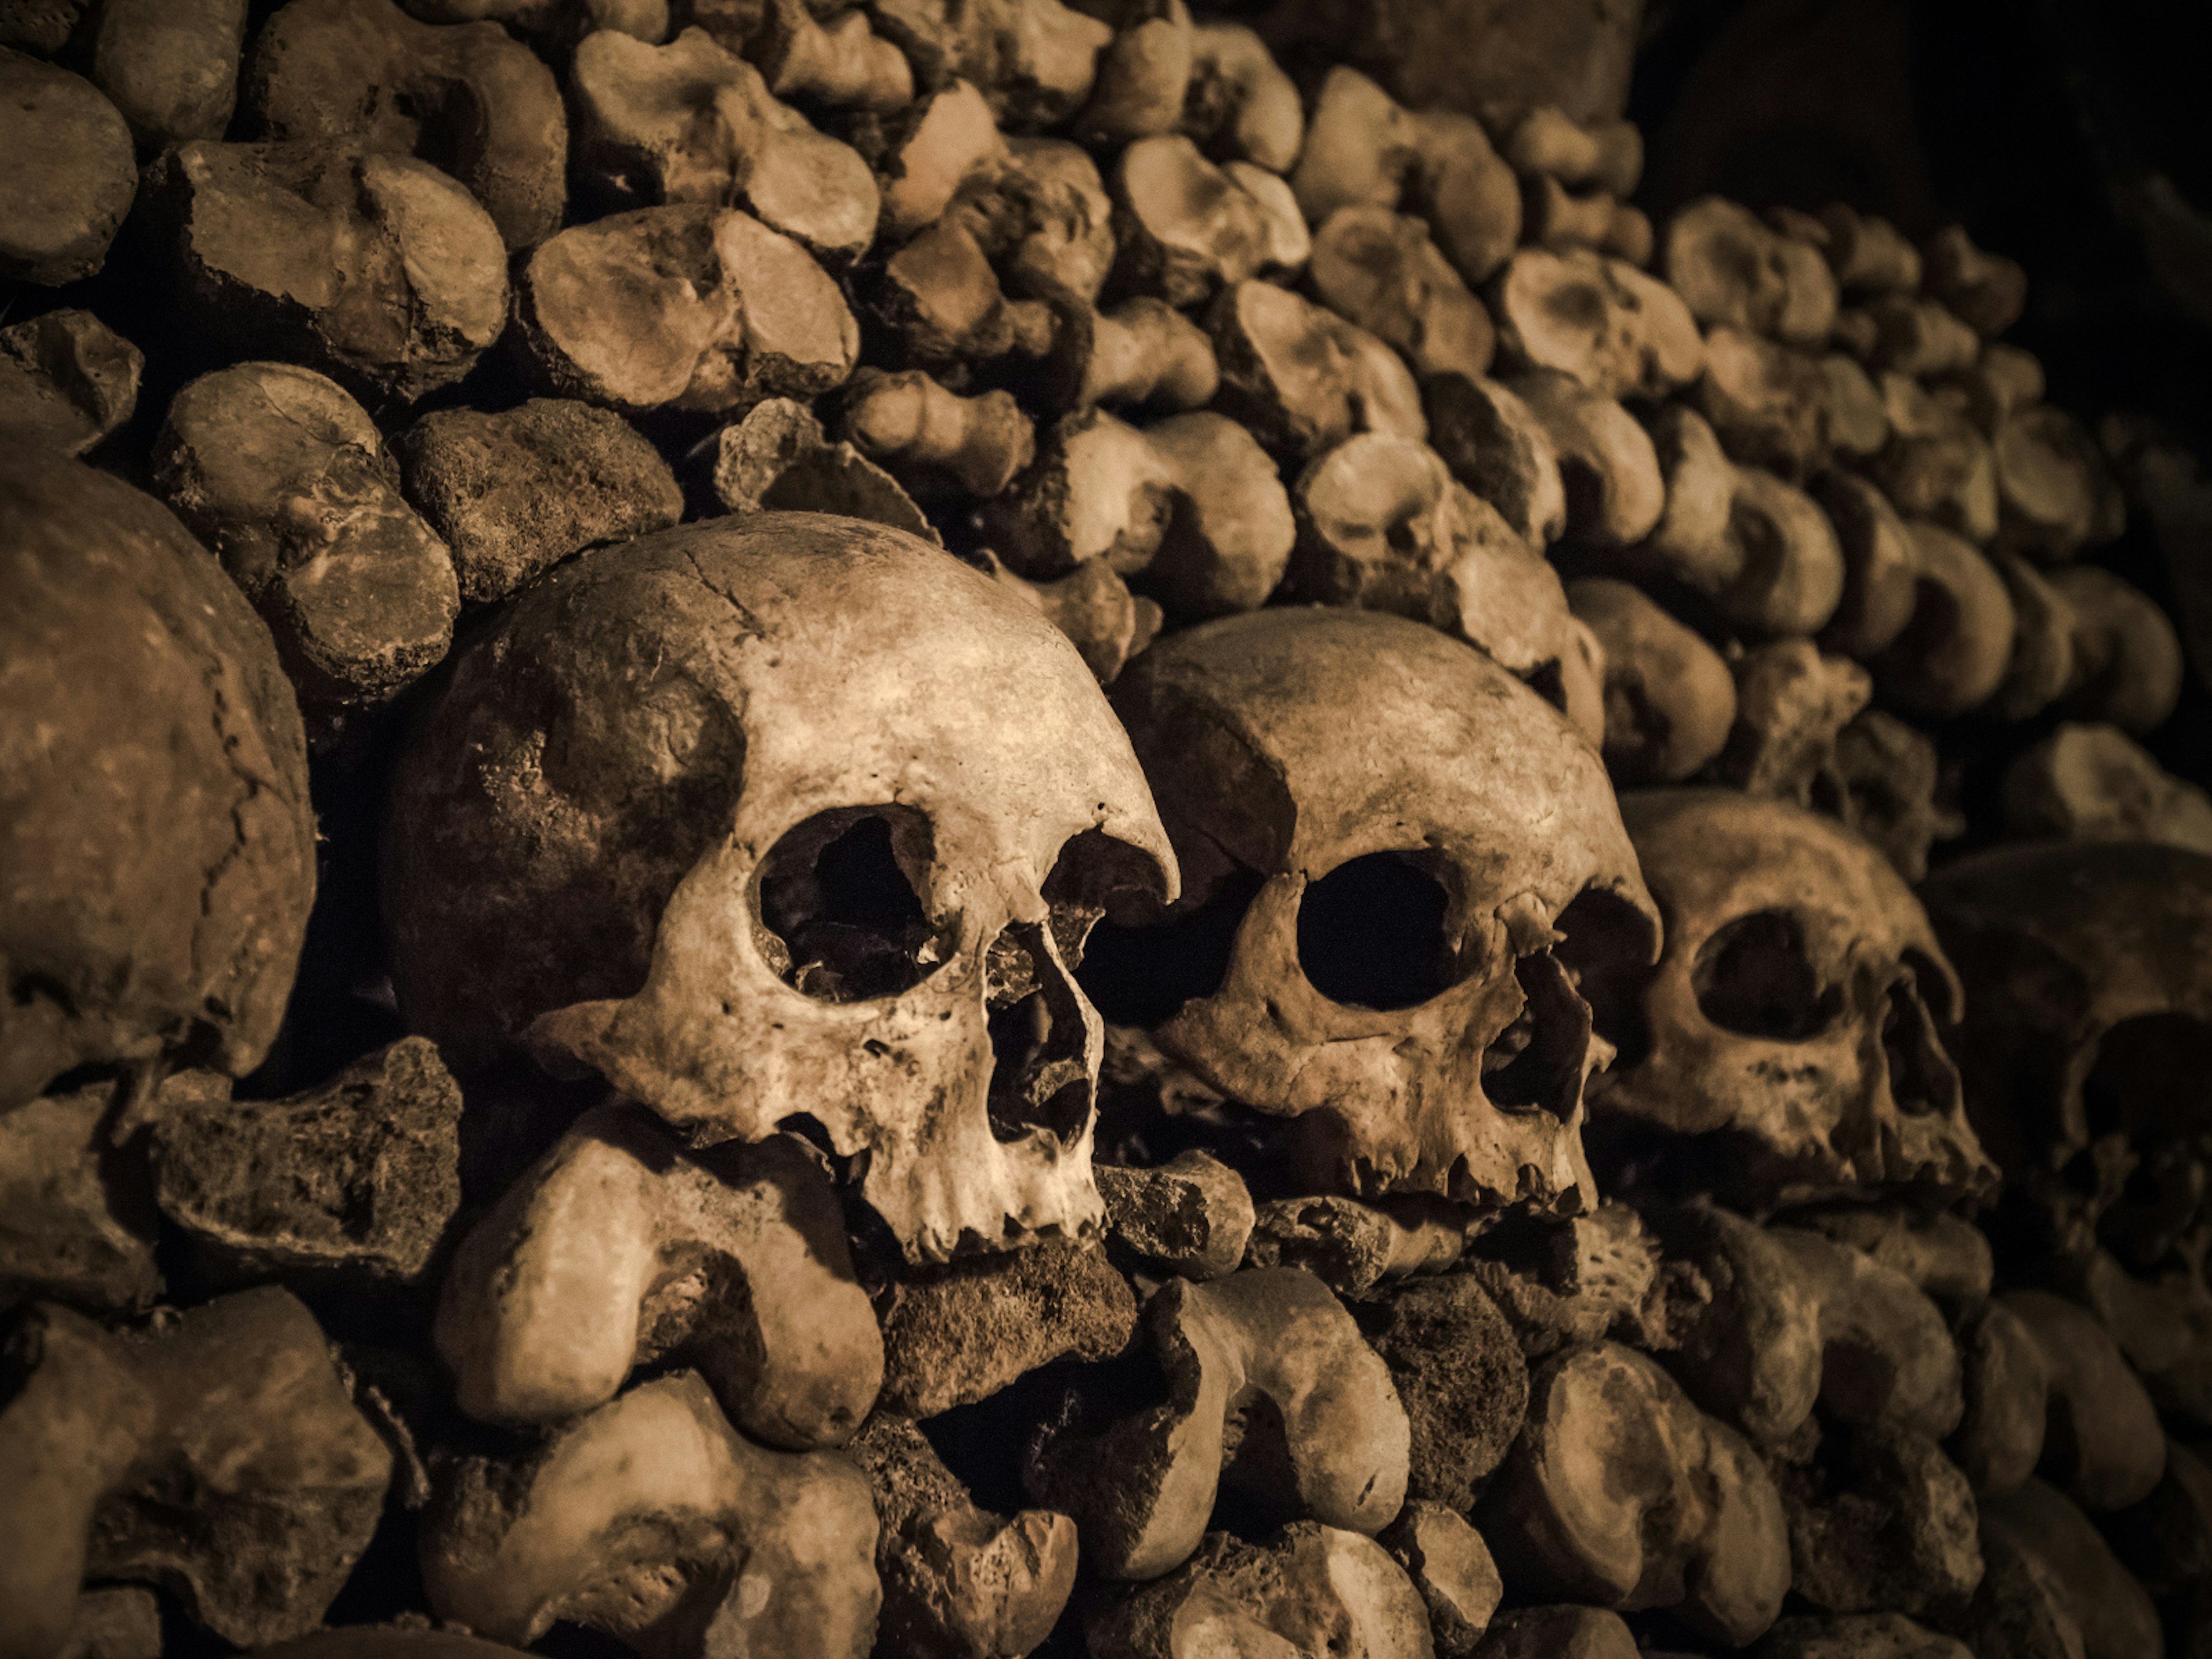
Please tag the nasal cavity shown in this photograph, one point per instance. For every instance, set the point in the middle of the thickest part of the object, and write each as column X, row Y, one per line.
column 1922, row 1081
column 1753, row 977
column 845, row 919
column 1535, row 1064
column 1040, row 1075
column 1372, row 933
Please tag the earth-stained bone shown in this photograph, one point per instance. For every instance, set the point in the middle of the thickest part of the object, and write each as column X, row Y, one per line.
column 71, row 177
column 1879, row 1521
column 1190, row 1216
column 2103, row 1443
column 1730, row 269
column 1379, row 268
column 1497, row 446
column 1669, row 700
column 1615, row 493
column 2116, row 1617
column 67, row 380
column 1450, row 1567
column 75, row 1227
column 1459, row 1373
column 778, row 459
column 1185, row 227
column 171, row 66
column 2093, row 782
column 1613, row 330
column 1303, row 379
column 240, row 1404
column 160, row 839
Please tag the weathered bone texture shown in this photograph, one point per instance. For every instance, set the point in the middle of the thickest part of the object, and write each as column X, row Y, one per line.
column 1955, row 652
column 2114, row 1616
column 1185, row 228
column 1496, row 446
column 393, row 1641
column 72, row 175
column 1565, row 1630
column 1793, row 948
column 936, row 442
column 961, row 1337
column 1094, row 607
column 1935, row 465
column 1303, row 378
column 1352, row 1247
column 1314, row 1589
column 377, row 270
column 1733, row 271
column 1987, row 290
column 1380, row 270
column 2093, row 782
column 2127, row 657
column 159, row 840
column 468, row 97
column 170, row 66
column 1621, row 1494
column 1142, row 353
column 1450, row 1567
column 702, row 310
column 1238, row 102
column 2103, row 1443
column 287, row 479
column 1889, row 787
column 1035, row 60
column 778, row 458
column 653, row 1520
column 1878, row 565
column 1774, row 407
column 1879, row 1521
column 616, row 910
column 359, row 1174
column 1615, row 493
column 1606, row 155
column 1241, row 725
column 75, row 1227
column 1613, row 330
column 1669, row 700
column 1329, row 1442
column 1460, row 1375
column 618, row 1248
column 2007, row 1387
column 688, row 122
column 1190, row 1216
column 841, row 63
column 237, row 1409
column 514, row 493
column 2162, row 1325
column 1858, row 1636
column 1945, row 1256
column 1792, row 703
column 67, row 380
column 959, row 1582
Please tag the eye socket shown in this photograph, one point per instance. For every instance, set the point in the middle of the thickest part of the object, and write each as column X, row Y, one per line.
column 1752, row 978
column 1094, row 874
column 1372, row 933
column 840, row 917
column 1140, row 973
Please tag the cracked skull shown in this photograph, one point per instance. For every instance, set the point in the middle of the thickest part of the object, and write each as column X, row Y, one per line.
column 1789, row 1032
column 784, row 818
column 1407, row 863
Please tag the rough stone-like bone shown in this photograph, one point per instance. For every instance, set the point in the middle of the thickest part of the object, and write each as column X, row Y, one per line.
column 1380, row 270
column 1954, row 654
column 67, row 380
column 1383, row 526
column 1496, row 446
column 1238, row 103
column 778, row 459
column 1186, row 227
column 171, row 66
column 1935, row 465
column 927, row 435
column 939, row 299
column 840, row 63
column 1669, row 699
column 947, row 142
column 74, row 1227
column 1034, row 60
column 1880, row 1521
column 653, row 1520
column 1791, row 702
column 1793, row 1051
column 1858, row 1636
column 1774, row 407
column 287, row 479
column 1322, row 1432
column 618, row 1248
column 1241, row 724
column 962, row 1336
column 2117, row 1618
column 2007, row 1390
column 613, row 904
column 705, row 310
column 71, row 173
column 1190, row 1216
column 1459, row 1373
column 2094, row 783
column 218, row 1454
column 1559, row 1631
column 2104, row 1443
column 1143, row 75
column 1615, row 493
column 360, row 1174
column 1362, row 147
column 1878, row 565
column 1987, row 290
column 1142, row 352
column 514, row 493
column 1094, row 607
column 377, row 269
column 1621, row 1494
column 468, row 97
column 1303, row 378
column 1315, row 1590
column 690, row 122
column 1732, row 271
column 1887, row 776
column 1450, row 1567
column 1352, row 1247
column 1553, row 218
column 1615, row 330
column 158, row 839
column 1606, row 155
column 2127, row 657
column 959, row 1582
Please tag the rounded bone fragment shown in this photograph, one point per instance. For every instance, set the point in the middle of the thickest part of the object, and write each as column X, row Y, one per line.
column 1879, row 1521
column 2127, row 656
column 1730, row 269
column 1329, row 1442
column 71, row 172
column 363, row 74
column 1878, row 590
column 1229, row 528
column 66, row 380
column 1606, row 155
column 1303, row 379
column 159, row 841
column 1986, row 290
column 1619, row 1493
column 1190, row 1216
column 1554, row 219
column 1034, row 60
column 1610, row 326
column 239, row 1402
column 171, row 66
column 1142, row 352
column 1769, row 404
column 1142, row 76
column 2104, row 1444
column 1380, row 270
column 1494, row 444
column 287, row 480
column 841, row 63
column 1616, row 492
column 627, row 1519
column 1239, row 103
column 1094, row 607
column 1459, row 1373
column 1791, row 704
column 72, row 1229
column 2116, row 1617
column 1559, row 1631
column 2008, row 1393
column 934, row 440
column 514, row 493
column 2053, row 482
column 1185, row 227
column 778, row 459
column 1953, row 655
column 377, row 269
column 1450, row 1567
column 1868, row 253
column 701, row 309
column 1669, row 699
column 2093, row 782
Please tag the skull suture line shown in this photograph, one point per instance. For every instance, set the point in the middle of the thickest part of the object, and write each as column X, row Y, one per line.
column 1785, row 1050
column 780, row 816
column 1345, row 768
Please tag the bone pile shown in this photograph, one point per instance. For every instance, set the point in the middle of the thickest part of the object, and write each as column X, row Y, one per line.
column 954, row 677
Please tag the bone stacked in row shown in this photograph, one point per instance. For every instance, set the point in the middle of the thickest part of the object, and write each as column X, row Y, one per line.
column 1043, row 1028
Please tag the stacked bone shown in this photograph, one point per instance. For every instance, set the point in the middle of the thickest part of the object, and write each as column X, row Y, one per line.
column 754, row 1289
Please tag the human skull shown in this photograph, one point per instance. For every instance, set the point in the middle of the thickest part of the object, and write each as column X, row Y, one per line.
column 1785, row 1050
column 786, row 816
column 1433, row 862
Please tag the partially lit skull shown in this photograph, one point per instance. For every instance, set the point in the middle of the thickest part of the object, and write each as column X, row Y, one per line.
column 1786, row 1049
column 786, row 816
column 1412, row 861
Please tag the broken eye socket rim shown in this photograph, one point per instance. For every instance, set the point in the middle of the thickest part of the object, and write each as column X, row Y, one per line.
column 860, row 935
